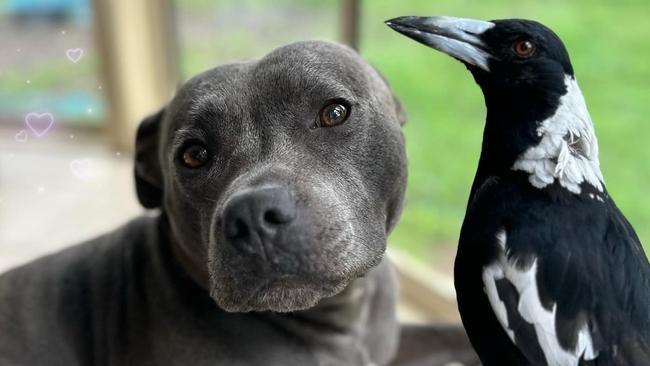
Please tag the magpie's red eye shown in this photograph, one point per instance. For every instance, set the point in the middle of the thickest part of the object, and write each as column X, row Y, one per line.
column 523, row 48
column 333, row 114
column 195, row 156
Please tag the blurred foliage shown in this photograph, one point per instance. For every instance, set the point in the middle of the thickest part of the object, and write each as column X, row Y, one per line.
column 51, row 75
column 212, row 5
column 211, row 33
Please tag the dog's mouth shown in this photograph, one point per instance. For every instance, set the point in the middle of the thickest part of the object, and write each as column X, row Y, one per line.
column 283, row 293
column 295, row 277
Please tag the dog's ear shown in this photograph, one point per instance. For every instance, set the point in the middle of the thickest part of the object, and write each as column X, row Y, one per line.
column 399, row 109
column 148, row 174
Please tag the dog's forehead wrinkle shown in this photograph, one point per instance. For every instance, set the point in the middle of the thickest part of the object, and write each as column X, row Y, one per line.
column 208, row 104
column 277, row 85
column 213, row 89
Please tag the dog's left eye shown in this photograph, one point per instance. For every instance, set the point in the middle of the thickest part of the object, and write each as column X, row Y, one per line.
column 195, row 156
column 333, row 114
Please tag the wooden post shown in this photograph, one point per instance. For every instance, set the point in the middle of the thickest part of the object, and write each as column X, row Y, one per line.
column 349, row 22
column 138, row 59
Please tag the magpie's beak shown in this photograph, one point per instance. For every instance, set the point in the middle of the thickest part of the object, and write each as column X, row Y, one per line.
column 457, row 37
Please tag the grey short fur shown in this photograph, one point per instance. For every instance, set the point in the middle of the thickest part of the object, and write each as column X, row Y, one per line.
column 173, row 289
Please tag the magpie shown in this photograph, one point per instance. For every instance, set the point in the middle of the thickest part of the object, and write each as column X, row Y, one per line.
column 548, row 270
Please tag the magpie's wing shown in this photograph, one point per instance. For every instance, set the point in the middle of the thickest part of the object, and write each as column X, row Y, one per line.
column 631, row 271
column 570, row 284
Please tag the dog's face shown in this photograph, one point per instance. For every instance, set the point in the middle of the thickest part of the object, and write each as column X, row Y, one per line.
column 281, row 177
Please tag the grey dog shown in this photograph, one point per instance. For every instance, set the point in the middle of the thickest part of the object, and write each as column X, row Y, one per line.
column 278, row 182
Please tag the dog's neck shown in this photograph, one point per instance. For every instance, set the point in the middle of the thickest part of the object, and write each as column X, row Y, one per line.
column 343, row 312
column 180, row 259
column 190, row 264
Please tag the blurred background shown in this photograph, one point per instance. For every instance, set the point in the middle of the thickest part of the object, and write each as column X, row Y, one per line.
column 76, row 76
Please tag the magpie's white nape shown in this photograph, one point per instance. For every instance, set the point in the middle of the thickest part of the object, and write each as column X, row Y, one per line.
column 548, row 270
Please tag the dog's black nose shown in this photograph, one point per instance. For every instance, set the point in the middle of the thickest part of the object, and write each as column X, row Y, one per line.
column 258, row 212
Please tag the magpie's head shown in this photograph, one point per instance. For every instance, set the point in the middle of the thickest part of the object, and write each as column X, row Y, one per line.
column 511, row 55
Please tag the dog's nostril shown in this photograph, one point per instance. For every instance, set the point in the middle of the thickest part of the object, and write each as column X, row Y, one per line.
column 277, row 216
column 237, row 229
column 241, row 229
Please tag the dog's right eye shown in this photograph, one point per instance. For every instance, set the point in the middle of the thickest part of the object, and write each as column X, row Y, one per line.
column 195, row 156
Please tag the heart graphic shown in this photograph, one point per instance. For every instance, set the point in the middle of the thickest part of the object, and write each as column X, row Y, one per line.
column 74, row 54
column 81, row 168
column 39, row 123
column 21, row 136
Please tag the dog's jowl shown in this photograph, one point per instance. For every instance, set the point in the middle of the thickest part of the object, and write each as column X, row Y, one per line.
column 275, row 184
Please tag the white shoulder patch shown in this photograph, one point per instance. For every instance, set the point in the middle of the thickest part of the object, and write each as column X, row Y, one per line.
column 530, row 308
column 568, row 150
column 491, row 275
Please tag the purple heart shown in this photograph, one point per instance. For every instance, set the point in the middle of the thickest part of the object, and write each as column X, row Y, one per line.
column 39, row 123
column 74, row 54
column 21, row 136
